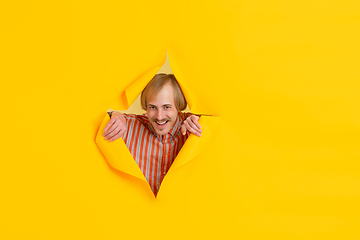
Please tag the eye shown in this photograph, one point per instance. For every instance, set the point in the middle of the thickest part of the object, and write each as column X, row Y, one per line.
column 167, row 107
column 151, row 107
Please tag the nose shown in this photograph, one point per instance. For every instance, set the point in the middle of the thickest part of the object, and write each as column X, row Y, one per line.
column 160, row 114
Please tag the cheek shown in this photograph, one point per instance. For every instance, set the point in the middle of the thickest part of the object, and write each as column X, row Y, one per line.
column 174, row 115
column 150, row 114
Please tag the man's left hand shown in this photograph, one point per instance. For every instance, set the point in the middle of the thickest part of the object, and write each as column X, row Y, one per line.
column 191, row 124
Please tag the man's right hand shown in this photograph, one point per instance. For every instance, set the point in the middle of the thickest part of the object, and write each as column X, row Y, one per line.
column 116, row 127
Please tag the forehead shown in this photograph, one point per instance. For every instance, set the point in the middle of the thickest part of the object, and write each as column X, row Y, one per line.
column 164, row 96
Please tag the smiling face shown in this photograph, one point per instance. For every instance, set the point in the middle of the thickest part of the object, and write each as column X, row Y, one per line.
column 161, row 110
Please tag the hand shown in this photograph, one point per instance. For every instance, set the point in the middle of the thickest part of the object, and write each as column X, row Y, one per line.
column 115, row 128
column 191, row 124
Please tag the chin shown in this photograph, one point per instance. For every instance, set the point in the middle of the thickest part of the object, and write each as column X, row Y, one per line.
column 162, row 132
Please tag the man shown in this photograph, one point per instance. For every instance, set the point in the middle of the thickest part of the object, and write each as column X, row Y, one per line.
column 155, row 138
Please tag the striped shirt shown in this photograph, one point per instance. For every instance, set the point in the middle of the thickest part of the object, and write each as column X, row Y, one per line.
column 153, row 153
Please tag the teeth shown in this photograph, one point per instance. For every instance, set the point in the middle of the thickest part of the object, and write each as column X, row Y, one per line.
column 161, row 123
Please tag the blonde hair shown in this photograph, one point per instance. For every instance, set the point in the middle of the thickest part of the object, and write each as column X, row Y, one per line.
column 156, row 84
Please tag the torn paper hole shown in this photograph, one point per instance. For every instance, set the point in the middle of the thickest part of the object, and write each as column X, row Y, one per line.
column 153, row 139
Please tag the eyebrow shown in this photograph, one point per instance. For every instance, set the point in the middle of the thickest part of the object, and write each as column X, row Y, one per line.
column 165, row 105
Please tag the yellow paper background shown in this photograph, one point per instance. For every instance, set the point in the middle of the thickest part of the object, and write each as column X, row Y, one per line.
column 282, row 76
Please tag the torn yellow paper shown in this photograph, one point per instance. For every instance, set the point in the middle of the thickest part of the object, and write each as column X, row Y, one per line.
column 281, row 163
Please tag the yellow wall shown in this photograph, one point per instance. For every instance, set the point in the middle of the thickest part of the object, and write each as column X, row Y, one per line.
column 280, row 160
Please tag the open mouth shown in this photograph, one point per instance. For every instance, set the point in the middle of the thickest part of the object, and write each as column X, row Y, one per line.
column 161, row 123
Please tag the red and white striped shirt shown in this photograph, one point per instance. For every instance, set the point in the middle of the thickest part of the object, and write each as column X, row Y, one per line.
column 153, row 153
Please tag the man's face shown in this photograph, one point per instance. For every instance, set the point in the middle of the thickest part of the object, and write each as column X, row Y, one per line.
column 161, row 110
